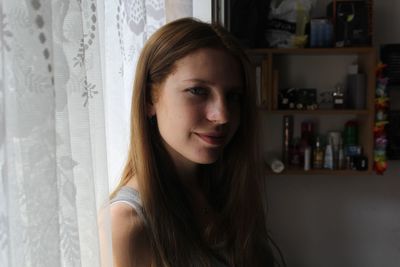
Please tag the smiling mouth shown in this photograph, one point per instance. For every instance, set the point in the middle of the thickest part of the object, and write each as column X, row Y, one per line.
column 215, row 140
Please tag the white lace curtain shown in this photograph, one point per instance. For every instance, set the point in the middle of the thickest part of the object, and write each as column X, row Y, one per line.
column 66, row 70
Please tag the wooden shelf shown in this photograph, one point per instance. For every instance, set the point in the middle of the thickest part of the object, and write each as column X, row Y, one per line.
column 311, row 51
column 324, row 172
column 311, row 68
column 319, row 112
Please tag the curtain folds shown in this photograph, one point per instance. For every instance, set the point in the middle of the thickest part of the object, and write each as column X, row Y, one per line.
column 53, row 149
column 66, row 74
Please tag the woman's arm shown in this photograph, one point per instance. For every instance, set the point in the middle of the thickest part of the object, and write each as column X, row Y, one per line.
column 131, row 246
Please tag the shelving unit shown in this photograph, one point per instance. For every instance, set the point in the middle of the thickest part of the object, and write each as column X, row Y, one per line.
column 293, row 171
column 321, row 112
column 314, row 68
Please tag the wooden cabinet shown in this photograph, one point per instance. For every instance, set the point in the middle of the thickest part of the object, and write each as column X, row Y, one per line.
column 322, row 69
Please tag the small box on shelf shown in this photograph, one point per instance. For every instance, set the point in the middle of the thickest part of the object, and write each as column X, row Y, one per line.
column 298, row 98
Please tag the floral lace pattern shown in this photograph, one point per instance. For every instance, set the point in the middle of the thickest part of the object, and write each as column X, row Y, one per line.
column 57, row 59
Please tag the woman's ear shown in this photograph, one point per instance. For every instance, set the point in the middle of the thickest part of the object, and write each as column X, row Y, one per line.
column 151, row 111
column 151, row 98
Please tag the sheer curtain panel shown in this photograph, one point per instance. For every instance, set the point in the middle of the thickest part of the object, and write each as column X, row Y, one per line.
column 52, row 143
column 128, row 24
column 66, row 75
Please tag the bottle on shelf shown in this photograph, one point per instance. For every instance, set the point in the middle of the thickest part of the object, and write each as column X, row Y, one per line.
column 341, row 157
column 287, row 138
column 334, row 139
column 318, row 154
column 350, row 134
column 351, row 147
column 328, row 157
column 358, row 160
column 307, row 158
column 361, row 163
column 306, row 138
column 307, row 132
column 295, row 153
column 338, row 97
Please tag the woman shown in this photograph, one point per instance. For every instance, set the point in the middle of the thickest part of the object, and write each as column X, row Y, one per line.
column 191, row 193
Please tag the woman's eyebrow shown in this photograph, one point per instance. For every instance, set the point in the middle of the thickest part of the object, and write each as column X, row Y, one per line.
column 202, row 81
column 206, row 82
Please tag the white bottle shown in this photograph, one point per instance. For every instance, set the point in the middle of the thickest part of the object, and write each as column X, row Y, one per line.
column 328, row 159
column 341, row 158
column 307, row 158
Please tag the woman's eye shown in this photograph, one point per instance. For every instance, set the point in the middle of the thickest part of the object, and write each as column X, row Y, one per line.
column 197, row 91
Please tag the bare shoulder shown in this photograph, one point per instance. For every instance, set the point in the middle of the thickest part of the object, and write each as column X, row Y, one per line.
column 131, row 246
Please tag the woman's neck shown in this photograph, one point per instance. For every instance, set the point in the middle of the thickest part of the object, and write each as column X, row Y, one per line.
column 205, row 215
column 189, row 178
column 188, row 171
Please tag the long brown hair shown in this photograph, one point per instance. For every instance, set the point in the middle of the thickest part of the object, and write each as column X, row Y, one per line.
column 233, row 185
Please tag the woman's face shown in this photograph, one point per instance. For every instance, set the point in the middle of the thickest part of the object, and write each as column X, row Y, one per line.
column 198, row 106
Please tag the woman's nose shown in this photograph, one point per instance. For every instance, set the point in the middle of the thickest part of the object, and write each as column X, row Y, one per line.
column 218, row 111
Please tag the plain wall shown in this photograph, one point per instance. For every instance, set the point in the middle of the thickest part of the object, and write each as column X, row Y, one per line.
column 335, row 221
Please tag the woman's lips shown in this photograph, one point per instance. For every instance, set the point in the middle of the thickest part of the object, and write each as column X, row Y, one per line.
column 212, row 139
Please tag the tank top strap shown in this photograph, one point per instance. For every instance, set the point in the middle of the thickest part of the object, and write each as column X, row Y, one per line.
column 130, row 197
